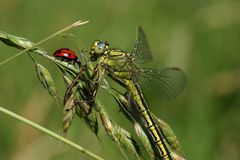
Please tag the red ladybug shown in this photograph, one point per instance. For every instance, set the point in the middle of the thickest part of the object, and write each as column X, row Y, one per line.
column 67, row 55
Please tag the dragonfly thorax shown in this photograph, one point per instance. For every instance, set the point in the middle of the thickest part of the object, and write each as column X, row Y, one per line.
column 118, row 64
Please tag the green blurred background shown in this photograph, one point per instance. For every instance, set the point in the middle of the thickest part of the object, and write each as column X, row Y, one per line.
column 201, row 37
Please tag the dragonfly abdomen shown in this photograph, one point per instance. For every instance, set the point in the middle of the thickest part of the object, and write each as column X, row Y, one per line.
column 156, row 135
column 148, row 120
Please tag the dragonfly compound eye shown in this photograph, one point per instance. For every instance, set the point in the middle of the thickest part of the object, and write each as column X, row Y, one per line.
column 98, row 49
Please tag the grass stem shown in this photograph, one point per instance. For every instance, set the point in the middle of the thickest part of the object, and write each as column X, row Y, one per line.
column 50, row 133
column 74, row 25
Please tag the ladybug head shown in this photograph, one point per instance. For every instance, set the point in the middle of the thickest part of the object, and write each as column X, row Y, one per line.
column 98, row 49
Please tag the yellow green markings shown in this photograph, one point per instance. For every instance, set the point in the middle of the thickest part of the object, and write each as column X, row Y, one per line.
column 144, row 111
column 169, row 137
column 158, row 138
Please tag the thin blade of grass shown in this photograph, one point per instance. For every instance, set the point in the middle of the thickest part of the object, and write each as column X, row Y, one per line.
column 50, row 133
column 74, row 25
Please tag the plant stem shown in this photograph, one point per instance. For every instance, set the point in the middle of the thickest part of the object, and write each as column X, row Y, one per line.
column 50, row 133
column 74, row 25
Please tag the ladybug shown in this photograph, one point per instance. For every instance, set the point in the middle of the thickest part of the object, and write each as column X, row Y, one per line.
column 67, row 55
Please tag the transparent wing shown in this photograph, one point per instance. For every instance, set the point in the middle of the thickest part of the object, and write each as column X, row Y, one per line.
column 166, row 84
column 141, row 48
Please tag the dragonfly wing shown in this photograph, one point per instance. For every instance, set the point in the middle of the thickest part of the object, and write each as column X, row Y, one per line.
column 166, row 84
column 141, row 48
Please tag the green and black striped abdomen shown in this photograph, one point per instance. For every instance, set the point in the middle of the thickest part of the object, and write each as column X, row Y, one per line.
column 147, row 119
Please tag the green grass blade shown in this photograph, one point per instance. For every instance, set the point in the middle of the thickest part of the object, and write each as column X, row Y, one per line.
column 50, row 133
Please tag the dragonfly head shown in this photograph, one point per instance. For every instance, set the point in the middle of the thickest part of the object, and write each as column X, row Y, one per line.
column 98, row 49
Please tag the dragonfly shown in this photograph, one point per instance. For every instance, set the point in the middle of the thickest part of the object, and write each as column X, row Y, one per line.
column 122, row 99
column 122, row 67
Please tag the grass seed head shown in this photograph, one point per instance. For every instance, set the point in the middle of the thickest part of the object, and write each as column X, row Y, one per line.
column 46, row 79
column 144, row 139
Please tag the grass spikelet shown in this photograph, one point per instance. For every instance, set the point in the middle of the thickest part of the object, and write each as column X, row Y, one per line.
column 122, row 137
column 127, row 141
column 177, row 156
column 90, row 119
column 20, row 43
column 68, row 113
column 169, row 134
column 46, row 80
column 144, row 139
column 15, row 41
